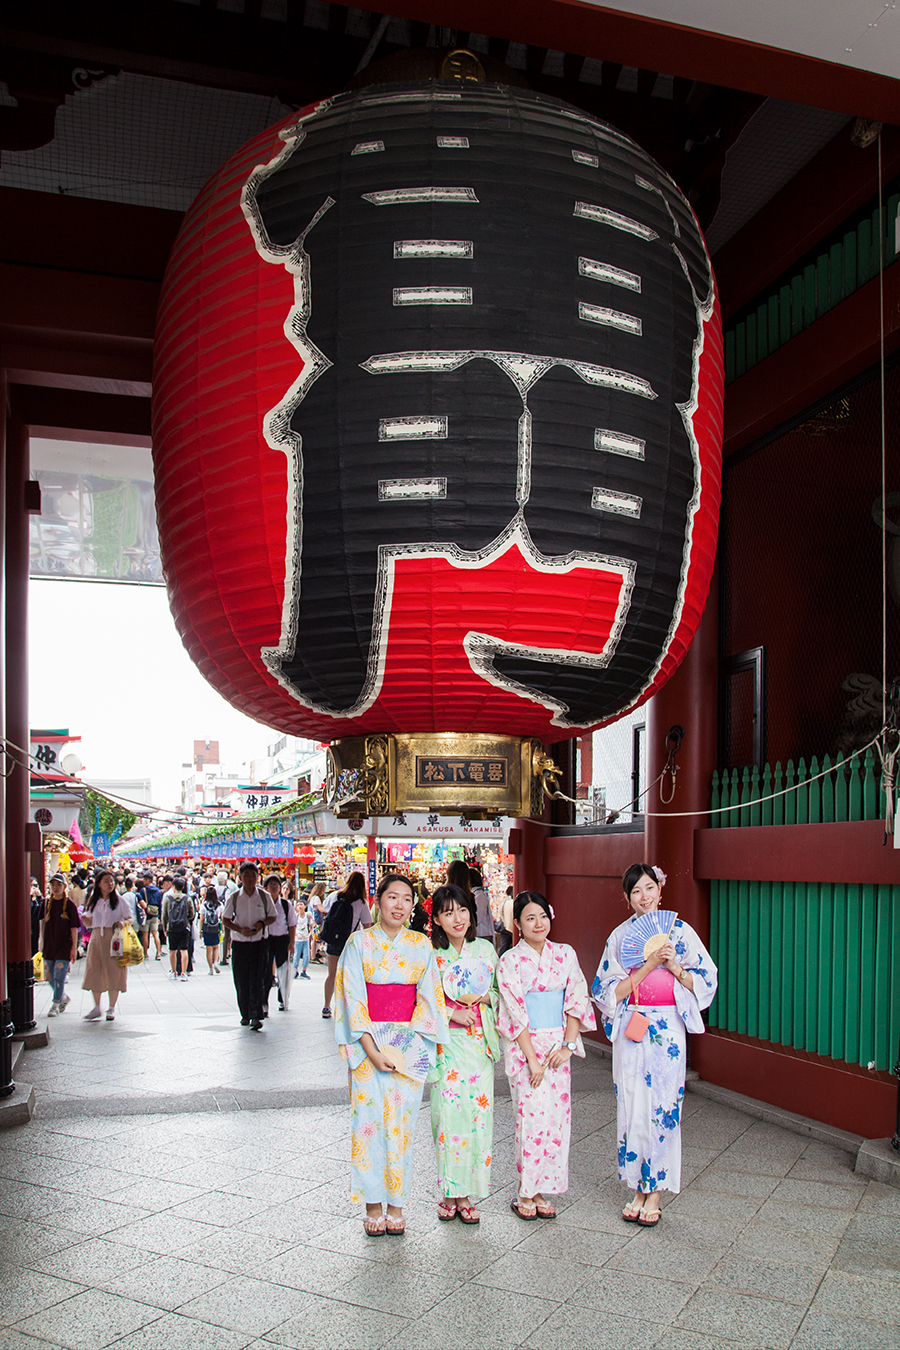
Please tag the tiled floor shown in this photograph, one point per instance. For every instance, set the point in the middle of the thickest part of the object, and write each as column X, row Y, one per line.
column 183, row 1187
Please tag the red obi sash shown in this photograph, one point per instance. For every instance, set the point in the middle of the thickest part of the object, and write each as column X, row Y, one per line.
column 656, row 990
column 391, row 1002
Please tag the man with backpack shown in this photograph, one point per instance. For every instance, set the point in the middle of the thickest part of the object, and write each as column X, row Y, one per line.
column 177, row 916
column 150, row 901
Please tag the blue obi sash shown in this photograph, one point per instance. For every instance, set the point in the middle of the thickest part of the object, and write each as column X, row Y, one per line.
column 545, row 1009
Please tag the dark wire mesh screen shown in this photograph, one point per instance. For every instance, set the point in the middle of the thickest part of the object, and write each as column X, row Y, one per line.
column 802, row 539
column 140, row 140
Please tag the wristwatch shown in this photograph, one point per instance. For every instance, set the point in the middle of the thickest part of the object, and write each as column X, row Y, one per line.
column 570, row 1045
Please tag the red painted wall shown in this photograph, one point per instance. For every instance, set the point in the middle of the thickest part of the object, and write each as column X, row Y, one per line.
column 803, row 573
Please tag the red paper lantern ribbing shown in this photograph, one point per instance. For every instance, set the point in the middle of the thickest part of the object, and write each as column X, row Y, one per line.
column 307, row 854
column 437, row 418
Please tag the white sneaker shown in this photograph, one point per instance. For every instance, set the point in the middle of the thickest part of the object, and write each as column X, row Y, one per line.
column 183, row 979
column 217, row 968
column 64, row 1003
column 110, row 1014
column 53, row 1010
column 94, row 1015
column 211, row 971
column 170, row 975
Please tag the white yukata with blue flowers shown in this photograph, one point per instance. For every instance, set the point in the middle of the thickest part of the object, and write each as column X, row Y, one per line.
column 649, row 1074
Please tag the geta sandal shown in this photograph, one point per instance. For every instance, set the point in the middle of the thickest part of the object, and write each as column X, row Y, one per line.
column 632, row 1211
column 545, row 1211
column 468, row 1214
column 518, row 1207
column 374, row 1226
column 447, row 1210
column 649, row 1218
column 394, row 1227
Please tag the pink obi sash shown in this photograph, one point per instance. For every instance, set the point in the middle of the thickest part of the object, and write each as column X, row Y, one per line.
column 656, row 990
column 391, row 1002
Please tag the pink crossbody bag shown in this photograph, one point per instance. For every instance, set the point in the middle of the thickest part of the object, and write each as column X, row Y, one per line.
column 638, row 1022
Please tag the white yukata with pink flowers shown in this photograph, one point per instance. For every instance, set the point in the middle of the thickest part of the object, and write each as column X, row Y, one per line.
column 543, row 1114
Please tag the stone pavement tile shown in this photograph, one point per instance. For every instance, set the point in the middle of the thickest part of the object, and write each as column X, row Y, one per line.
column 668, row 1255
column 601, row 1216
column 23, row 1200
column 825, row 1331
column 17, row 1340
column 153, row 1194
column 379, row 1287
column 879, row 1259
column 802, row 1218
column 881, row 1199
column 162, row 1234
column 613, row 1291
column 288, row 1220
column 165, row 1282
column 796, row 1191
column 175, row 1332
column 857, row 1296
column 23, row 1292
column 289, row 1187
column 235, row 1250
column 92, row 1320
column 573, row 1328
column 23, row 1241
column 699, row 1204
column 220, row 1210
column 767, row 1241
column 585, row 1246
column 873, row 1226
column 85, row 1261
column 764, row 1149
column 306, row 1269
column 494, row 1317
column 730, row 1181
column 246, row 1305
column 552, row 1278
column 740, row 1317
column 332, row 1199
column 466, row 1250
column 96, row 1217
column 746, row 1275
column 821, row 1162
column 328, row 1325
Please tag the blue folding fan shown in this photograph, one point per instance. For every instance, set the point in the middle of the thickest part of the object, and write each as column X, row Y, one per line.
column 646, row 929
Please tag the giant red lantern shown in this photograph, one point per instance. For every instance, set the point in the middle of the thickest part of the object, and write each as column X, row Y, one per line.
column 437, row 418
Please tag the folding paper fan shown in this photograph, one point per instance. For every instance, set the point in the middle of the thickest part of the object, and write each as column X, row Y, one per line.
column 646, row 933
column 467, row 980
column 404, row 1048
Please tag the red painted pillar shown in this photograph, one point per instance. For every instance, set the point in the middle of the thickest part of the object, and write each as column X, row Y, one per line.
column 18, row 901
column 689, row 699
column 7, row 1084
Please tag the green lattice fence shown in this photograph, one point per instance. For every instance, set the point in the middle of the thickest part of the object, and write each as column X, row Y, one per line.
column 807, row 964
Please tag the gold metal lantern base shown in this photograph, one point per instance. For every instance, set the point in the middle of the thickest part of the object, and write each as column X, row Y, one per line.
column 480, row 776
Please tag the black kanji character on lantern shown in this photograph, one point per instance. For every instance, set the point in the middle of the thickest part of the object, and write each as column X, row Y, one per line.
column 498, row 307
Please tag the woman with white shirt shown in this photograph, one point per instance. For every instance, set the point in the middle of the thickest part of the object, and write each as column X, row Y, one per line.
column 105, row 914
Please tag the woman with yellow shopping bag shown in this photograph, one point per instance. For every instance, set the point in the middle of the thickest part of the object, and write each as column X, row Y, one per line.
column 105, row 914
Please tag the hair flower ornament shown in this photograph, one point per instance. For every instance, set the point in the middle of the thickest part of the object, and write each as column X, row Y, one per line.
column 552, row 912
column 660, row 875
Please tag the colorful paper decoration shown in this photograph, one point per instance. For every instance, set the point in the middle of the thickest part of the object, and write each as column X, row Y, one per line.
column 437, row 418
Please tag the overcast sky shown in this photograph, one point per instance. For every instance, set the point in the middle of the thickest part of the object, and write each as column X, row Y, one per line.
column 106, row 662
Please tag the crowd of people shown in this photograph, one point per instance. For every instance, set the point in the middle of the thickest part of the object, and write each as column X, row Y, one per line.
column 429, row 988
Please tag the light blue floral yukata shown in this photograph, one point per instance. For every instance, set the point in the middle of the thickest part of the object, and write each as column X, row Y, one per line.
column 384, row 1107
column 649, row 1074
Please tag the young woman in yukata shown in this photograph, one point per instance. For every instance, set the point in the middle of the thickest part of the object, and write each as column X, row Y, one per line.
column 388, row 998
column 675, row 984
column 544, row 1004
column 462, row 1084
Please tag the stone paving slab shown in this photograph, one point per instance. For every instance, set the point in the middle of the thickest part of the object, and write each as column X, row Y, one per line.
column 183, row 1186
